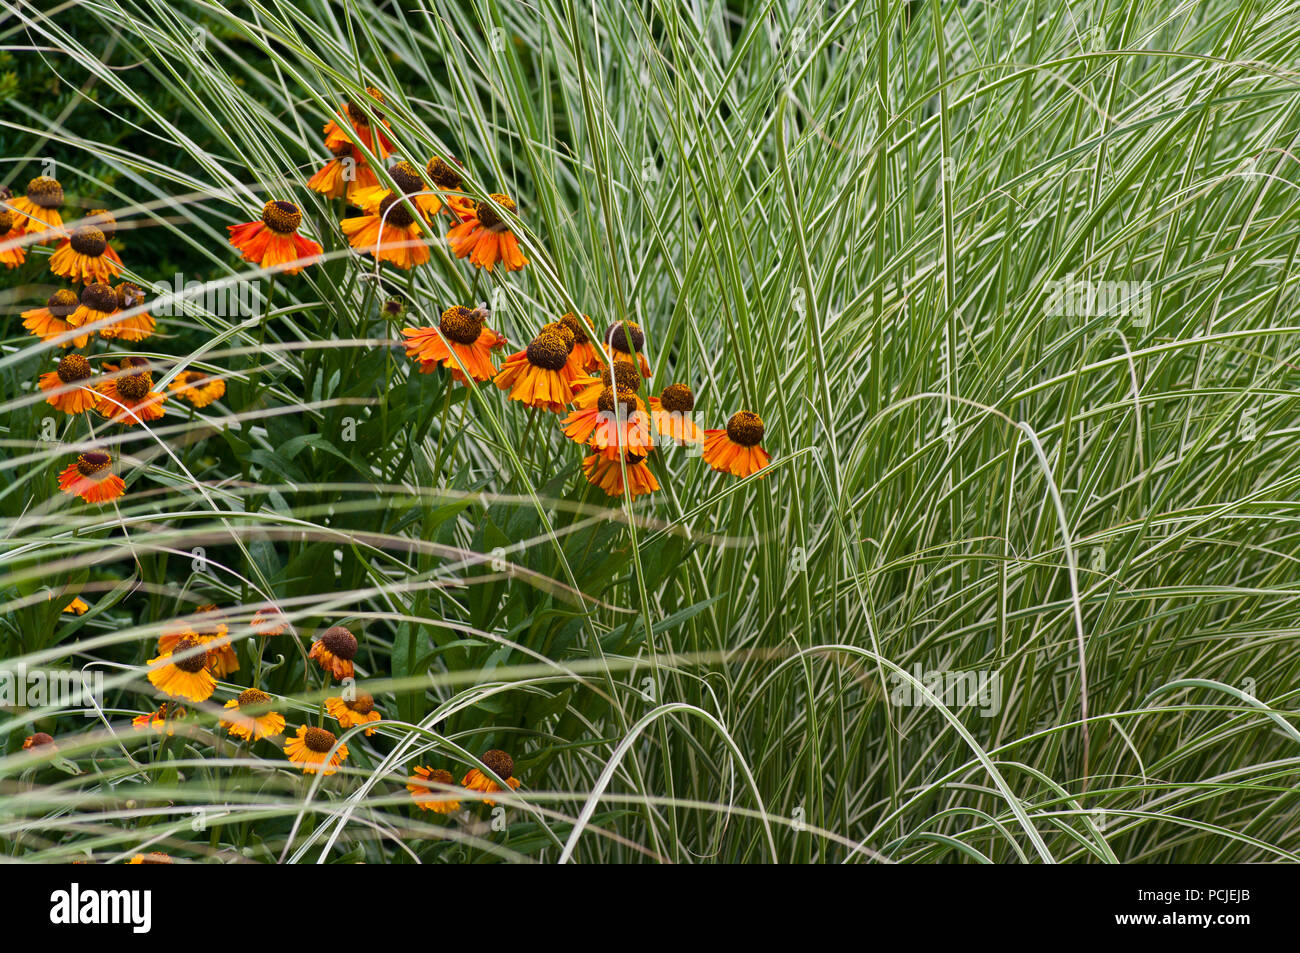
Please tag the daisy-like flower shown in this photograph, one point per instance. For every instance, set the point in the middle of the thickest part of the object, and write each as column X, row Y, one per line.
column 464, row 337
column 187, row 677
column 128, row 396
column 83, row 257
column 269, row 621
column 253, row 717
column 163, row 721
column 198, row 388
column 103, row 219
column 448, row 181
column 737, row 449
column 67, row 387
column 206, row 628
column 502, row 765
column 357, row 711
column 622, row 337
column 671, row 414
column 409, row 180
column 40, row 740
column 97, row 303
column 363, row 125
column 51, row 322
column 587, row 390
column 334, row 651
column 584, row 357
column 39, row 208
column 429, row 788
column 135, row 322
column 347, row 172
column 11, row 231
column 486, row 238
column 602, row 424
column 92, row 478
column 388, row 231
column 153, row 857
column 603, row 471
column 77, row 606
column 539, row 375
column 311, row 749
column 273, row 239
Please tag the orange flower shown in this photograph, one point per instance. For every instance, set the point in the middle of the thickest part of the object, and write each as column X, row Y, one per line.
column 40, row 740
column 736, row 450
column 486, row 238
column 311, row 749
column 601, row 425
column 448, row 182
column 39, row 208
column 671, row 414
column 98, row 302
column 604, row 472
column 334, row 651
column 51, row 322
column 428, row 788
column 10, row 231
column 362, row 124
column 409, row 180
column 269, row 621
column 502, row 765
column 103, row 219
column 462, row 338
column 83, row 257
column 273, row 240
column 197, row 388
column 163, row 721
column 70, row 393
column 539, row 375
column 388, row 231
column 77, row 606
column 584, row 357
column 187, row 677
column 587, row 390
column 153, row 857
column 357, row 711
column 622, row 337
column 128, row 396
column 347, row 172
column 134, row 322
column 253, row 718
column 92, row 478
column 206, row 628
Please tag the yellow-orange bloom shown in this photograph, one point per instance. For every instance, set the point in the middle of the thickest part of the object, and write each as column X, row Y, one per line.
column 273, row 241
column 11, row 255
column 92, row 478
column 84, row 257
column 163, row 721
column 429, row 788
column 539, row 375
column 344, row 174
column 253, row 717
column 67, row 388
column 269, row 621
column 77, row 606
column 334, row 651
column 134, row 322
column 388, row 231
column 624, row 336
column 51, row 322
column 357, row 711
column 502, row 765
column 736, row 450
column 186, row 677
column 197, row 388
column 465, row 340
column 38, row 209
column 671, row 413
column 129, row 398
column 486, row 238
column 311, row 748
column 362, row 124
column 602, row 470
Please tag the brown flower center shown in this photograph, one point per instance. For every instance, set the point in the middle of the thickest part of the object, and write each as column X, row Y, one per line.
column 393, row 214
column 340, row 642
column 745, row 428
column 502, row 764
column 438, row 776
column 444, row 176
column 88, row 241
column 617, row 336
column 282, row 217
column 253, row 698
column 319, row 740
column 72, row 368
column 488, row 216
column 156, row 857
column 135, row 386
column 40, row 738
column 548, row 351
column 407, row 177
column 462, row 325
column 677, row 399
column 99, row 297
column 363, row 704
column 6, row 221
column 558, row 328
column 626, row 375
column 45, row 192
column 62, row 303
column 605, row 402
column 576, row 328
column 93, row 463
column 194, row 663
column 358, row 116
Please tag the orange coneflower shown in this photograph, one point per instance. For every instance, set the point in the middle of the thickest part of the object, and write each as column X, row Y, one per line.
column 103, row 219
column 39, row 208
column 389, row 231
column 362, row 125
column 447, row 179
column 269, row 621
column 273, row 239
column 253, row 718
column 486, row 238
column 334, row 651
column 40, row 740
column 83, row 257
column 602, row 424
column 128, row 397
column 622, row 337
column 11, row 231
column 72, row 372
column 346, row 173
column 97, row 303
column 92, row 478
column 429, row 788
column 539, row 375
column 163, row 721
column 465, row 340
column 77, row 606
column 671, row 413
column 206, row 628
column 736, row 450
column 587, row 390
column 311, row 749
column 197, row 388
column 502, row 765
column 409, row 180
column 153, row 857
column 603, row 470
column 131, row 326
column 187, row 677
column 584, row 357
column 352, row 712
column 51, row 322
